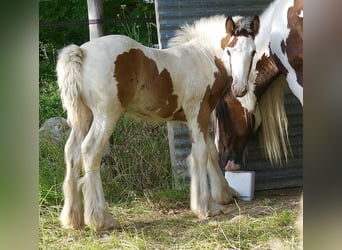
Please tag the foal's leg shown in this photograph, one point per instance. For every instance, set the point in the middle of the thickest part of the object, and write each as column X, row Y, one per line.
column 72, row 212
column 198, row 158
column 96, row 213
column 220, row 191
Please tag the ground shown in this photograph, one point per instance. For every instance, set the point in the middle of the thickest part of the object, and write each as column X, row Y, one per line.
column 163, row 220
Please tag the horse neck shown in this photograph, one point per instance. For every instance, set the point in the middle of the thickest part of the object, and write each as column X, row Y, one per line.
column 185, row 58
column 267, row 73
column 265, row 70
column 266, row 20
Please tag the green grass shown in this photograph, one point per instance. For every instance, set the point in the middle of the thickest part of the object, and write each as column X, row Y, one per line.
column 137, row 159
column 156, row 221
column 140, row 191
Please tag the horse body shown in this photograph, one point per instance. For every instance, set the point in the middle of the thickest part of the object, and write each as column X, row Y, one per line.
column 146, row 89
column 279, row 50
column 287, row 43
column 114, row 74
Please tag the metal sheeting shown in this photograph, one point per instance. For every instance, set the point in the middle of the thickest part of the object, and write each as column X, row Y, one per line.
column 287, row 174
column 170, row 14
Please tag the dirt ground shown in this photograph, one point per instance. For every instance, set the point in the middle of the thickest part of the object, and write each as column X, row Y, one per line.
column 267, row 201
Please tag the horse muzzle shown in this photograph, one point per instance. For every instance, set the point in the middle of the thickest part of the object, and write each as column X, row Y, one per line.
column 239, row 90
column 232, row 166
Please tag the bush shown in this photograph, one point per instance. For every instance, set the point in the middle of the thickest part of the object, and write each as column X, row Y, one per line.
column 51, row 171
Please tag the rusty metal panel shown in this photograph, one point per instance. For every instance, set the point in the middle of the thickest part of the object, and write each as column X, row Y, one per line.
column 170, row 14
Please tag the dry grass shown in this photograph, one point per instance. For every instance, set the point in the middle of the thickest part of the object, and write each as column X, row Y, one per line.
column 162, row 220
column 153, row 215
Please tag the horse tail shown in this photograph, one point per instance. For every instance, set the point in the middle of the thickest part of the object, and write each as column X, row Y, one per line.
column 69, row 77
column 273, row 136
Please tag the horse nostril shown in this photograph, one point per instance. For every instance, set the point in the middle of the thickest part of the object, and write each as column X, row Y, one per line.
column 244, row 92
column 238, row 92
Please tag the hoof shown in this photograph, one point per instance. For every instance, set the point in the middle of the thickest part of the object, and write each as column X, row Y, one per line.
column 217, row 209
column 103, row 224
column 214, row 209
column 225, row 196
column 71, row 219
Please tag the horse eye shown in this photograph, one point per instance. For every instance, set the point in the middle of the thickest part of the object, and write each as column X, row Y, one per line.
column 228, row 52
column 253, row 53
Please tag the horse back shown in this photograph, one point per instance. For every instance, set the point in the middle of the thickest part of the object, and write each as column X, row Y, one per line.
column 117, row 67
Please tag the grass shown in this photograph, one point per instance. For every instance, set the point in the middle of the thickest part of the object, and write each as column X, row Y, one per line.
column 139, row 188
column 159, row 221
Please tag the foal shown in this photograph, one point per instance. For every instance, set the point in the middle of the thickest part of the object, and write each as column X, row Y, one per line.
column 105, row 77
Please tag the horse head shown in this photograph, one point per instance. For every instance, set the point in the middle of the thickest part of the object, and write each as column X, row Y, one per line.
column 239, row 49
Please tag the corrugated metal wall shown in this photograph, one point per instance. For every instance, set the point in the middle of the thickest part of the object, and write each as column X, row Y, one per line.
column 170, row 14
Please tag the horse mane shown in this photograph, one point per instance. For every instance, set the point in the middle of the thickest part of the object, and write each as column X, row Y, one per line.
column 273, row 135
column 207, row 32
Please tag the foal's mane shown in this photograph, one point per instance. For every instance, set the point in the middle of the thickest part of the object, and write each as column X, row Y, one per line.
column 204, row 31
column 207, row 32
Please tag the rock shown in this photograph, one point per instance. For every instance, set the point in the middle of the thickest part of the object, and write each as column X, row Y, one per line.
column 54, row 128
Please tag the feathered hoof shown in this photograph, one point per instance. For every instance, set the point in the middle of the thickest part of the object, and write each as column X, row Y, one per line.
column 72, row 219
column 225, row 196
column 214, row 209
column 217, row 209
column 103, row 224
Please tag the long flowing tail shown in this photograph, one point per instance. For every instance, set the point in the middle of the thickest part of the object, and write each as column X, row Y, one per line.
column 69, row 76
column 273, row 136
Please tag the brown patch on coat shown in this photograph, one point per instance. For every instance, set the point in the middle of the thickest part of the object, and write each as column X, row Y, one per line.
column 235, row 124
column 225, row 41
column 142, row 89
column 280, row 65
column 294, row 42
column 212, row 96
column 267, row 73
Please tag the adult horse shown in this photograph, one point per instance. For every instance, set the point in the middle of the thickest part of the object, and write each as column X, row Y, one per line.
column 108, row 76
column 279, row 50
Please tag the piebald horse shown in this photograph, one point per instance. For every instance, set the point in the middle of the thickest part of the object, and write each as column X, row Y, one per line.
column 108, row 76
column 279, row 55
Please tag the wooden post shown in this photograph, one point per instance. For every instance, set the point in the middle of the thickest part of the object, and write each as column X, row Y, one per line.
column 95, row 16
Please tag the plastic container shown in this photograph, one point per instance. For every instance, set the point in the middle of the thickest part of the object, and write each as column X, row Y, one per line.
column 242, row 182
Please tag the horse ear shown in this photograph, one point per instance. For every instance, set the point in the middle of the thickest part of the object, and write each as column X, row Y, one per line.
column 230, row 25
column 255, row 25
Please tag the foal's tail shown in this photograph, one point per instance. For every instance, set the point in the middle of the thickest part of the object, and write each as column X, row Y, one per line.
column 273, row 136
column 69, row 76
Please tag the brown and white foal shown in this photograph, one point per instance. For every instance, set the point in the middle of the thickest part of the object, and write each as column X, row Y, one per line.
column 108, row 76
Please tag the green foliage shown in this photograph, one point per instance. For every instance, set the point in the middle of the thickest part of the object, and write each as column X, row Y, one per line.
column 76, row 10
column 138, row 159
column 51, row 171
column 50, row 104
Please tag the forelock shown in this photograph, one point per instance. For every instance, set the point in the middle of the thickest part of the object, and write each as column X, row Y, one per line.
column 243, row 24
